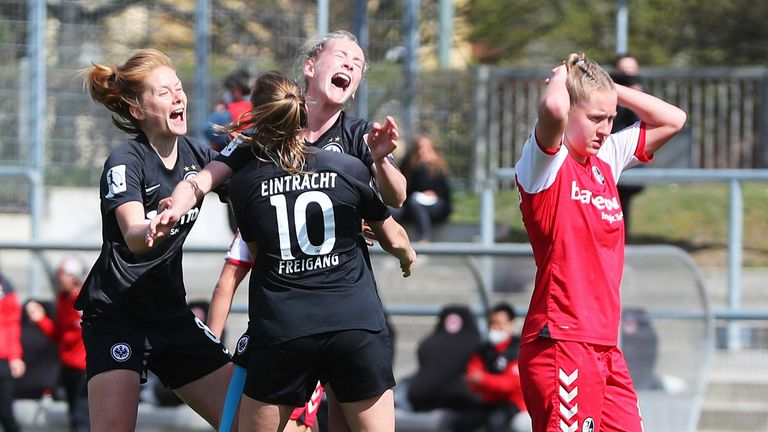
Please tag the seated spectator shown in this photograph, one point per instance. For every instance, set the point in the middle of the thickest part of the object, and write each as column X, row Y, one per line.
column 11, row 364
column 429, row 194
column 443, row 356
column 65, row 331
column 235, row 104
column 640, row 344
column 492, row 374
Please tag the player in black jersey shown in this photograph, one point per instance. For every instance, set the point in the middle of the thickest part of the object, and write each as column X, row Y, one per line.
column 334, row 65
column 135, row 315
column 314, row 310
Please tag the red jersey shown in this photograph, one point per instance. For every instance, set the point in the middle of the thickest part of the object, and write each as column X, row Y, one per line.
column 238, row 110
column 502, row 386
column 10, row 322
column 575, row 224
column 66, row 331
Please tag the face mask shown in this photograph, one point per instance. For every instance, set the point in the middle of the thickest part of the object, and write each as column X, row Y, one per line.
column 497, row 336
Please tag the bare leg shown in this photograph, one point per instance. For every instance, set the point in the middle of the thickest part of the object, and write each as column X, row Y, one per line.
column 376, row 414
column 113, row 401
column 336, row 420
column 263, row 417
column 206, row 395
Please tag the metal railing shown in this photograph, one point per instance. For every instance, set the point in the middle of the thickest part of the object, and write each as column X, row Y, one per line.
column 685, row 311
column 734, row 177
column 437, row 249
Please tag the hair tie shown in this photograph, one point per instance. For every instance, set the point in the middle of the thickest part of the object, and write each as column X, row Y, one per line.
column 582, row 64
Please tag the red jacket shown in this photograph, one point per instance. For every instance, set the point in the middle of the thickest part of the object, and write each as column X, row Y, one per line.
column 66, row 332
column 10, row 322
column 494, row 388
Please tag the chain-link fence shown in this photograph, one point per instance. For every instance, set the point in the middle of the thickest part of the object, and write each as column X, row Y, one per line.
column 78, row 134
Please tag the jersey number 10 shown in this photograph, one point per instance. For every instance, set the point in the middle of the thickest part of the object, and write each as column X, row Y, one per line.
column 300, row 223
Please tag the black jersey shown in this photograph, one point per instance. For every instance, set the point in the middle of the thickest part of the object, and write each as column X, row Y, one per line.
column 345, row 136
column 140, row 288
column 310, row 274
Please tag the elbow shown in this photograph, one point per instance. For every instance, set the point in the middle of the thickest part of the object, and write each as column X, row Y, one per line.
column 678, row 121
column 397, row 201
column 138, row 249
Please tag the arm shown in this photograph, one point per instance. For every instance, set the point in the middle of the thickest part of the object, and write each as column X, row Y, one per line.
column 221, row 300
column 37, row 315
column 130, row 217
column 185, row 196
column 391, row 182
column 554, row 106
column 481, row 380
column 394, row 240
column 382, row 140
column 13, row 321
column 662, row 120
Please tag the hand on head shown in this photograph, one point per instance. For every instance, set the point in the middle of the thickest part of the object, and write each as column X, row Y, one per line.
column 558, row 71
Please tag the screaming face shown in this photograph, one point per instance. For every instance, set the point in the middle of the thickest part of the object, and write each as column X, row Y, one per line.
column 335, row 74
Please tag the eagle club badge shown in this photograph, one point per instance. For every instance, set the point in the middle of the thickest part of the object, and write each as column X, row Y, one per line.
column 121, row 351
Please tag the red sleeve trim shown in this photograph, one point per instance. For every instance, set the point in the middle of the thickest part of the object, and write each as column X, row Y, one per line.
column 640, row 150
column 550, row 151
column 244, row 264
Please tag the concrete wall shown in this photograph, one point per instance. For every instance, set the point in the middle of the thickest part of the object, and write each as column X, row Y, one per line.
column 72, row 215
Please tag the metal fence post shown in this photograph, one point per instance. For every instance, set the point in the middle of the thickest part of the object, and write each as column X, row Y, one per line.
column 361, row 32
column 411, row 90
column 202, row 65
column 36, row 53
column 762, row 156
column 480, row 173
column 735, row 240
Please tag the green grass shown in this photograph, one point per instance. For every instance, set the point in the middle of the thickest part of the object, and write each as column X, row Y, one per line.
column 692, row 216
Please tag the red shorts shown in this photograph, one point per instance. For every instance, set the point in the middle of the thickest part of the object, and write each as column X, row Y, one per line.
column 575, row 386
column 307, row 414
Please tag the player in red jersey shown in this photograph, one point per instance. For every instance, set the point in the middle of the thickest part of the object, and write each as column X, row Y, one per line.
column 573, row 374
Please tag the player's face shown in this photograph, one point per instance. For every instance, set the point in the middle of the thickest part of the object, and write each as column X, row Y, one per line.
column 336, row 72
column 500, row 321
column 590, row 123
column 67, row 283
column 164, row 104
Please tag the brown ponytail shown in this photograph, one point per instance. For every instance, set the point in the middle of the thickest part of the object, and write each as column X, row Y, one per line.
column 120, row 87
column 276, row 122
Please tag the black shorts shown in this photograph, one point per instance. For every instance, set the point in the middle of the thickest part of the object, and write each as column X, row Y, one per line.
column 357, row 364
column 178, row 351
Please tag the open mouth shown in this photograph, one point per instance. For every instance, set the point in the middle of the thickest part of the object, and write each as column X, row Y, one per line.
column 341, row 80
column 177, row 114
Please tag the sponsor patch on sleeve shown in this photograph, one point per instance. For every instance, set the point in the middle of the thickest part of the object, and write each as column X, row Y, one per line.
column 116, row 180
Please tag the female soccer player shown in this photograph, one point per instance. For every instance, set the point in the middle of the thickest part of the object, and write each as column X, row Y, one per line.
column 573, row 373
column 334, row 65
column 314, row 310
column 135, row 316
